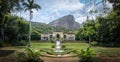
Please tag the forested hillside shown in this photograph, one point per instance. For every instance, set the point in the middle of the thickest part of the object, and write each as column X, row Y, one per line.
column 45, row 28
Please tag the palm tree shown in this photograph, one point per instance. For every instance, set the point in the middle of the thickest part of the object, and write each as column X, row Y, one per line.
column 29, row 6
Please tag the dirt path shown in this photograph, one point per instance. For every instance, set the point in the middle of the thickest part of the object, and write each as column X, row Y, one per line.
column 67, row 59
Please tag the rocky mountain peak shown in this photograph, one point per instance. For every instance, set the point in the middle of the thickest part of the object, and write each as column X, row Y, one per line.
column 67, row 21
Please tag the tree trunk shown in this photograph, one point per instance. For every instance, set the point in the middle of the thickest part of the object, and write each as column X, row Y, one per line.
column 30, row 28
column 89, row 41
column 2, row 32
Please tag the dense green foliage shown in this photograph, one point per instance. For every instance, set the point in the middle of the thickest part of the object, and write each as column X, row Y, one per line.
column 11, row 27
column 45, row 28
column 116, row 6
column 15, row 28
column 7, row 7
column 86, row 55
column 104, row 30
column 87, row 32
column 29, row 55
column 108, row 30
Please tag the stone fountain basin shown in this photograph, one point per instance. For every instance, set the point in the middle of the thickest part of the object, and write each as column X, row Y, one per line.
column 58, row 53
column 59, row 56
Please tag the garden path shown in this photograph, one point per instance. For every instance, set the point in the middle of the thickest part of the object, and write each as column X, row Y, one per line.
column 65, row 59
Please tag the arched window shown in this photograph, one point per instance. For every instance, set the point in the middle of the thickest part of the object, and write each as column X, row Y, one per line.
column 58, row 37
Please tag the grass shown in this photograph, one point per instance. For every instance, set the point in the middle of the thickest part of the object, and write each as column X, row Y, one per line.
column 76, row 45
column 102, row 51
column 68, row 45
column 39, row 45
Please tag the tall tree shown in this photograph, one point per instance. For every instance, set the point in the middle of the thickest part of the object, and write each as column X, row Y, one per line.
column 14, row 26
column 89, row 30
column 6, row 7
column 29, row 6
column 116, row 6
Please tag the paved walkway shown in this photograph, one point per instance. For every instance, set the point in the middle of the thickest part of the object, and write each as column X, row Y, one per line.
column 67, row 59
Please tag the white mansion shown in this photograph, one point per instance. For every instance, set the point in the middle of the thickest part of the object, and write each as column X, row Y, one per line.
column 65, row 36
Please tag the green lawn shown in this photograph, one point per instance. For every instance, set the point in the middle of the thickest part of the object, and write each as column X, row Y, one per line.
column 102, row 51
column 68, row 45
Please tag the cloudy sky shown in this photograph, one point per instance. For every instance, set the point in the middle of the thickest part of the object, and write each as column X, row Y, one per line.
column 54, row 9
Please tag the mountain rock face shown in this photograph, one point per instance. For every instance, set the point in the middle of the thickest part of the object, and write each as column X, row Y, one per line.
column 67, row 22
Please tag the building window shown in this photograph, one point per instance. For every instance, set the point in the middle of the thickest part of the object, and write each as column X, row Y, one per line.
column 58, row 37
column 45, row 38
column 65, row 36
column 50, row 36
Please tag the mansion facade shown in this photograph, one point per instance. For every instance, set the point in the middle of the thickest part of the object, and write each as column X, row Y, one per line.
column 58, row 35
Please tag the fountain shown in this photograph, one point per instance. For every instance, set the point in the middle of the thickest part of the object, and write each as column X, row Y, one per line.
column 58, row 49
column 58, row 45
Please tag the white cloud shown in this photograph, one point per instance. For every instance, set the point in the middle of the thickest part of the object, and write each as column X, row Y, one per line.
column 59, row 8
column 81, row 19
column 53, row 9
column 68, row 5
column 43, row 19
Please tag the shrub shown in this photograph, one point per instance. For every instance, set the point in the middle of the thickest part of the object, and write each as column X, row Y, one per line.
column 109, row 44
column 19, row 43
column 86, row 55
column 6, row 45
column 22, row 56
column 63, row 46
column 53, row 46
column 94, row 43
column 61, row 39
column 29, row 56
column 106, row 44
column 117, row 45
column 53, row 39
column 1, row 43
